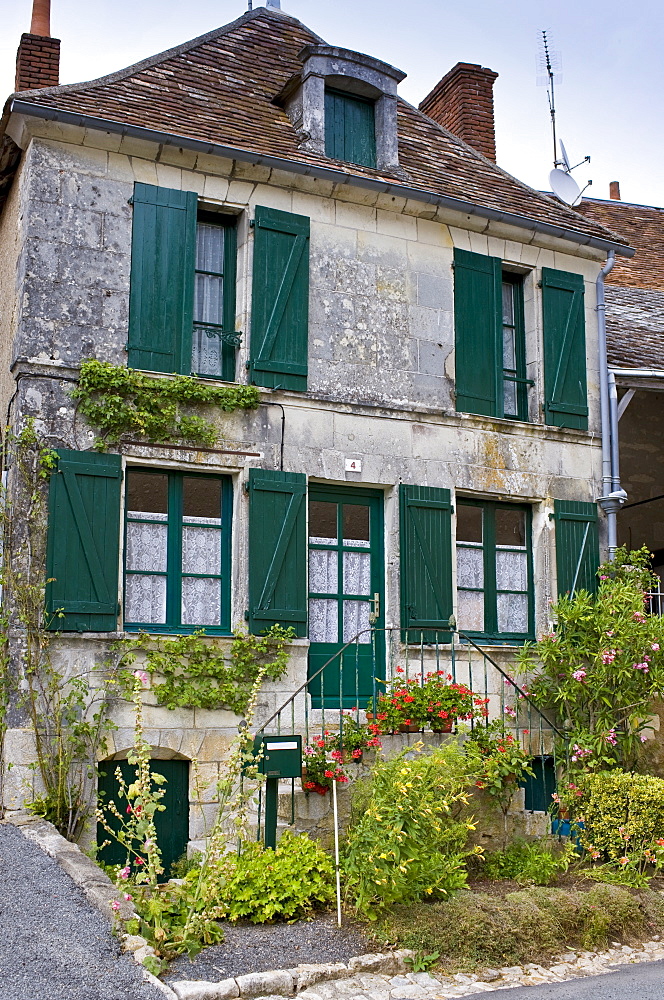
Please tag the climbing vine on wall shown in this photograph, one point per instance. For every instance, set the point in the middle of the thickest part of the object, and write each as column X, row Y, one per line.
column 196, row 671
column 119, row 401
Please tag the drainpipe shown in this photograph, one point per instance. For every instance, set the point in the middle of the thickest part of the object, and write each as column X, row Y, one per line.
column 613, row 496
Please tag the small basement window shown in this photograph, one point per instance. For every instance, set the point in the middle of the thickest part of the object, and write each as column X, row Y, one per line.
column 350, row 128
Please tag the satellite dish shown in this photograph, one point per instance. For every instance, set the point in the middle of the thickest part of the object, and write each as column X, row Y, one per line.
column 563, row 153
column 564, row 187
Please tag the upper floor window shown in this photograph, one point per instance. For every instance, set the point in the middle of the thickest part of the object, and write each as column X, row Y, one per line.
column 177, row 551
column 514, row 395
column 213, row 341
column 490, row 342
column 182, row 291
column 350, row 128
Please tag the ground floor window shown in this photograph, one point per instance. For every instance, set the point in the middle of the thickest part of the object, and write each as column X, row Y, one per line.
column 177, row 551
column 494, row 570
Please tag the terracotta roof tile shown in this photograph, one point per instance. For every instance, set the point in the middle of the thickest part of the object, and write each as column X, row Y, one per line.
column 221, row 88
column 642, row 226
column 635, row 327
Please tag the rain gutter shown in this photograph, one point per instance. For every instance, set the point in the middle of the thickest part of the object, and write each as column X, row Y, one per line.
column 18, row 106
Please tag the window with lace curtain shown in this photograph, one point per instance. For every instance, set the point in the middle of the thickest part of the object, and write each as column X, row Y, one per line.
column 214, row 339
column 494, row 570
column 177, row 551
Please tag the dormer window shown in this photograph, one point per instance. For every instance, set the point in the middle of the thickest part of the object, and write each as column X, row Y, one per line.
column 350, row 128
column 344, row 105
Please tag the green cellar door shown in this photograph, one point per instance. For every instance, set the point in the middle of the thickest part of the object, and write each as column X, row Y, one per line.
column 172, row 823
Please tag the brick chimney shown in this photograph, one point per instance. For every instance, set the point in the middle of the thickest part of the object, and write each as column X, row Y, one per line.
column 614, row 190
column 38, row 56
column 463, row 103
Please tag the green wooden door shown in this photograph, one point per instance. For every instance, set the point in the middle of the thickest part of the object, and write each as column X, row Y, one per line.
column 346, row 588
column 172, row 824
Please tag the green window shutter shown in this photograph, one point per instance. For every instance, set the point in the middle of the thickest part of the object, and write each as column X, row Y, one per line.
column 426, row 559
column 577, row 545
column 350, row 128
column 478, row 332
column 566, row 402
column 280, row 300
column 277, row 550
column 163, row 256
column 83, row 542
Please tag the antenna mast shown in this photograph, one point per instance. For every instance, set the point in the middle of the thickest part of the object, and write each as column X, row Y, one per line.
column 551, row 94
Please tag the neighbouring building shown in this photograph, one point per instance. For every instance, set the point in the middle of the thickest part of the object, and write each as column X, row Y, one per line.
column 635, row 330
column 256, row 206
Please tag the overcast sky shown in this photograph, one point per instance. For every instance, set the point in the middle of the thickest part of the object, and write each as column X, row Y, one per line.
column 610, row 102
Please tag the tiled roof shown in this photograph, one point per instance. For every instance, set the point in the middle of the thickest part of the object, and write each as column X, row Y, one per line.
column 635, row 327
column 643, row 228
column 221, row 88
column 634, row 287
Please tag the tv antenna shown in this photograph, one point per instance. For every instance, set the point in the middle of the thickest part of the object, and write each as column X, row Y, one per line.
column 562, row 183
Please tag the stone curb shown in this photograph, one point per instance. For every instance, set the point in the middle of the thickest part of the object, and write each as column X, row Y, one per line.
column 95, row 883
column 289, row 982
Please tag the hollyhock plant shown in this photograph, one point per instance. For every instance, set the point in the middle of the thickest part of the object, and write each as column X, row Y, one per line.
column 600, row 676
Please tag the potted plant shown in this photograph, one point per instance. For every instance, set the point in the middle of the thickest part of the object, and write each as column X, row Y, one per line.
column 434, row 701
column 354, row 739
column 322, row 764
column 445, row 701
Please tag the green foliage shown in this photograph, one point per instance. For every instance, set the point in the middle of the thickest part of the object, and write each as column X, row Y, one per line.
column 175, row 919
column 603, row 665
column 283, row 884
column 118, row 401
column 184, row 864
column 407, row 840
column 500, row 761
column 421, row 962
column 475, row 930
column 534, row 862
column 623, row 817
column 195, row 671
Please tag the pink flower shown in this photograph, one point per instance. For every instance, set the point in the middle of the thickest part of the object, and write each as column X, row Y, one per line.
column 638, row 616
column 142, row 676
column 115, row 906
column 124, row 873
column 609, row 656
column 604, row 578
column 643, row 737
column 128, row 896
column 579, row 675
column 611, row 737
column 655, row 646
column 624, row 861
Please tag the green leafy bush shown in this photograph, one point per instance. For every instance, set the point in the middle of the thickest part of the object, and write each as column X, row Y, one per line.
column 623, row 815
column 407, row 839
column 534, row 862
column 283, row 884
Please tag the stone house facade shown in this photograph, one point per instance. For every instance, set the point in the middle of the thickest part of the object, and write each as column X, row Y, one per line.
column 258, row 207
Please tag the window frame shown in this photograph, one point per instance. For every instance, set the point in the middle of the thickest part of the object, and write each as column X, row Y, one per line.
column 516, row 375
column 230, row 340
column 330, row 136
column 490, row 589
column 173, row 573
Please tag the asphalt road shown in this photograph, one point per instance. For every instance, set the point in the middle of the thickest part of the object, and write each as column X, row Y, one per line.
column 53, row 944
column 644, row 981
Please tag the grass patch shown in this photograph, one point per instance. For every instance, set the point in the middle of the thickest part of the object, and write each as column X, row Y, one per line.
column 476, row 929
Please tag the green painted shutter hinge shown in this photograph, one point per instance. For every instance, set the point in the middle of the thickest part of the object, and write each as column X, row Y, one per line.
column 252, row 223
column 246, row 486
column 130, row 201
column 540, row 284
column 246, row 615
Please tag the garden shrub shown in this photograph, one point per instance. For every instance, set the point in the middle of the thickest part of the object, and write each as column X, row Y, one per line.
column 476, row 929
column 601, row 668
column 534, row 862
column 263, row 884
column 623, row 813
column 407, row 838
